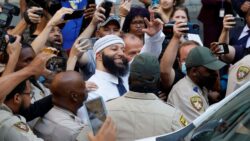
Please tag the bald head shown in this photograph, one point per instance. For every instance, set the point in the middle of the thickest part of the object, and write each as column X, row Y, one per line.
column 68, row 89
column 133, row 45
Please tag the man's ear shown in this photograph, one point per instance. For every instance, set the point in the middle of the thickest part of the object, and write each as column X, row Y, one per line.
column 194, row 71
column 99, row 56
column 74, row 96
column 17, row 98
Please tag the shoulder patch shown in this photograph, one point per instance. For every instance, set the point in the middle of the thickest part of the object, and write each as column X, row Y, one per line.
column 242, row 72
column 22, row 126
column 183, row 121
column 197, row 102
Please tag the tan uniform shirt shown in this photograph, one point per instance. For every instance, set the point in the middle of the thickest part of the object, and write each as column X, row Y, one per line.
column 188, row 98
column 140, row 115
column 59, row 125
column 239, row 74
column 14, row 127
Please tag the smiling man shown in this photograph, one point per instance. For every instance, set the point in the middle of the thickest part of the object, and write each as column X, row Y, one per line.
column 111, row 68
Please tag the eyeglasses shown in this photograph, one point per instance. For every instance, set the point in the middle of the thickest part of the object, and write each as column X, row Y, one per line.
column 32, row 93
column 141, row 23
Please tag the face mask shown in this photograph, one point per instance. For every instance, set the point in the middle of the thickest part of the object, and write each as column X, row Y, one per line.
column 183, row 68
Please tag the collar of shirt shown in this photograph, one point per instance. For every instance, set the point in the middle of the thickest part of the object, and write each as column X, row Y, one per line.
column 144, row 96
column 244, row 32
column 5, row 108
column 195, row 87
column 106, row 76
column 60, row 111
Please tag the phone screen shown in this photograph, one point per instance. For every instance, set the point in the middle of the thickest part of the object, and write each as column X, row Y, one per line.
column 223, row 48
column 96, row 112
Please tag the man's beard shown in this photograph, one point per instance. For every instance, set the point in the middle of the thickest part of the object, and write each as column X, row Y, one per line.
column 113, row 68
column 207, row 81
column 22, row 108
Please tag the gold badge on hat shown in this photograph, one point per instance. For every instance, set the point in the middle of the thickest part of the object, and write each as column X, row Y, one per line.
column 22, row 126
column 197, row 103
column 242, row 72
column 183, row 121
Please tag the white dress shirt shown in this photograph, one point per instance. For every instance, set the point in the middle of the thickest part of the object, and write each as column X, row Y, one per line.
column 243, row 34
column 107, row 85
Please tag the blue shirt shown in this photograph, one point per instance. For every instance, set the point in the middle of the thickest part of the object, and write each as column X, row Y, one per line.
column 72, row 28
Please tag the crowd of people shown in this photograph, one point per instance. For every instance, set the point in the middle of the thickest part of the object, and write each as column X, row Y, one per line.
column 150, row 66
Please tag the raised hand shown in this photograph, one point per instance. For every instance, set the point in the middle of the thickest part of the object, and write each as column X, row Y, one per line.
column 89, row 12
column 58, row 17
column 106, row 133
column 153, row 26
column 33, row 15
column 124, row 7
column 98, row 16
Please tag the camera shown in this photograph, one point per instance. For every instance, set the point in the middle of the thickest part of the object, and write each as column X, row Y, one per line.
column 8, row 10
column 169, row 31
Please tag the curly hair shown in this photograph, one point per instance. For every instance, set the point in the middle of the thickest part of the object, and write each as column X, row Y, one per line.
column 134, row 12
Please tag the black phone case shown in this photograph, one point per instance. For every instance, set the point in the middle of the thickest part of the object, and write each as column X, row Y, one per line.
column 76, row 14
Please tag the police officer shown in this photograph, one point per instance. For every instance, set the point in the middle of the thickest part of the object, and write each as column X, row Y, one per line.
column 12, row 126
column 190, row 93
column 239, row 74
column 61, row 122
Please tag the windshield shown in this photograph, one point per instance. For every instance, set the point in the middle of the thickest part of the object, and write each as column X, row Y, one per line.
column 230, row 123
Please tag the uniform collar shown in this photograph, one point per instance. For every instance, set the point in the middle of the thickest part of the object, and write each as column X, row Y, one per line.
column 107, row 76
column 143, row 96
column 195, row 87
column 67, row 112
column 5, row 108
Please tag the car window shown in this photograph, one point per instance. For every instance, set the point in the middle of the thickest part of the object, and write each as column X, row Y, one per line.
column 230, row 123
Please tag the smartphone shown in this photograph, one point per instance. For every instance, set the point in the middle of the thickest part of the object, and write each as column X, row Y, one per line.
column 56, row 64
column 155, row 3
column 193, row 28
column 97, row 113
column 91, row 2
column 238, row 21
column 107, row 5
column 223, row 48
column 168, row 29
column 39, row 12
column 76, row 14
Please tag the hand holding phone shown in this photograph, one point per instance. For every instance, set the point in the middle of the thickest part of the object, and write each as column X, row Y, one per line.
column 223, row 48
column 219, row 48
column 75, row 15
column 107, row 5
column 96, row 113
